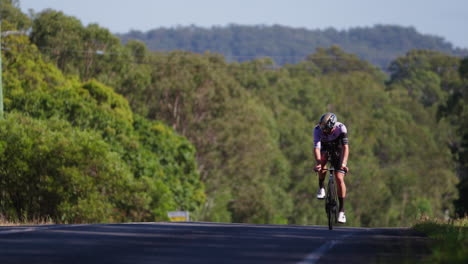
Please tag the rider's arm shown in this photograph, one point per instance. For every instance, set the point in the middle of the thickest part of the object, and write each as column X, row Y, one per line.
column 345, row 155
column 317, row 145
column 317, row 156
column 344, row 141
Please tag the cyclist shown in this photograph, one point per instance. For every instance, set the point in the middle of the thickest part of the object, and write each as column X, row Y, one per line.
column 330, row 136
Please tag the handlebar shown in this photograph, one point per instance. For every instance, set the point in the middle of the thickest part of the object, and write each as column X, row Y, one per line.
column 330, row 170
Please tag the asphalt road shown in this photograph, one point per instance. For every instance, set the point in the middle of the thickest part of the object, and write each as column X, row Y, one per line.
column 209, row 243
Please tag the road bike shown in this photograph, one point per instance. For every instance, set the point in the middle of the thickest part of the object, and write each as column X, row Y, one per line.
column 331, row 200
column 331, row 197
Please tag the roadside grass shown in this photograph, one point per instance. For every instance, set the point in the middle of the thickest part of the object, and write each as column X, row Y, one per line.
column 5, row 222
column 450, row 239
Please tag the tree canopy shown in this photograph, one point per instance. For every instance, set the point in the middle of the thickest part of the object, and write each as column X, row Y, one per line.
column 74, row 151
column 380, row 44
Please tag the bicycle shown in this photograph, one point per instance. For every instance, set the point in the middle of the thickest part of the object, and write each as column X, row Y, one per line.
column 331, row 196
column 331, row 200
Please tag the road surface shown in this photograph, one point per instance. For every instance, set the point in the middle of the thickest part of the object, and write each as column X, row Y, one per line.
column 195, row 242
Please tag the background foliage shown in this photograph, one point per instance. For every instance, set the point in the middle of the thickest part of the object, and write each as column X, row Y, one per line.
column 100, row 131
column 379, row 44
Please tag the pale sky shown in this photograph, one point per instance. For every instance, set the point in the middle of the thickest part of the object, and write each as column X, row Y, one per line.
column 447, row 18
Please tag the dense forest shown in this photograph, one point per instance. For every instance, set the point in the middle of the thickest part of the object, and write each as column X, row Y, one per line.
column 99, row 131
column 379, row 45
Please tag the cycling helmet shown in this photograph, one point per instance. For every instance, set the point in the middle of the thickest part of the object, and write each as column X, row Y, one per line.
column 327, row 122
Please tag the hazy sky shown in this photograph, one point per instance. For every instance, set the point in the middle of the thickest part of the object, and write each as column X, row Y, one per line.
column 447, row 18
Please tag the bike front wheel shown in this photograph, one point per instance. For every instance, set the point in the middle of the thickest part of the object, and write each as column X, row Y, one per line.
column 331, row 205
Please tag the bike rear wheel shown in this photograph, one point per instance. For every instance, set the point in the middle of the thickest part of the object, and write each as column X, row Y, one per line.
column 331, row 204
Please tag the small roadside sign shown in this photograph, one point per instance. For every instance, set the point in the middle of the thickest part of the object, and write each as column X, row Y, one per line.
column 179, row 216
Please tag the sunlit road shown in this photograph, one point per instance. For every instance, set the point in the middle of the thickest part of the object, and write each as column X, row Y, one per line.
column 208, row 243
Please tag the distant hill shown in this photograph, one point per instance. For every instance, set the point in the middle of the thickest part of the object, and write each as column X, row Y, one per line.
column 379, row 44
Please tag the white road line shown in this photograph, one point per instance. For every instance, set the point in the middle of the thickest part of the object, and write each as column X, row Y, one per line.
column 19, row 229
column 22, row 229
column 320, row 252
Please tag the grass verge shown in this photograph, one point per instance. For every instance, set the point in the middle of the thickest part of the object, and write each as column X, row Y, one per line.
column 450, row 239
column 5, row 222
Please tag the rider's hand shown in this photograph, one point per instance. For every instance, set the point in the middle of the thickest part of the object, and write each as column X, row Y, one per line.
column 317, row 167
column 344, row 168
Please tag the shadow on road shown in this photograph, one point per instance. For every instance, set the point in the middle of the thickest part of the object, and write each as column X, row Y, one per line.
column 207, row 243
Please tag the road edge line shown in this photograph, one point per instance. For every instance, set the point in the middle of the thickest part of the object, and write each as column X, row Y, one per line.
column 320, row 252
column 18, row 229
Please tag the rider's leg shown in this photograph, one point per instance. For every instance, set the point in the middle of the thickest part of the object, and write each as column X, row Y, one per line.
column 341, row 189
column 323, row 173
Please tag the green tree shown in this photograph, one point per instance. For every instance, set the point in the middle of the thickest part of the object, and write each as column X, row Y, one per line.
column 379, row 44
column 50, row 170
column 12, row 17
column 335, row 60
column 456, row 107
column 60, row 38
column 90, row 52
column 198, row 98
column 152, row 169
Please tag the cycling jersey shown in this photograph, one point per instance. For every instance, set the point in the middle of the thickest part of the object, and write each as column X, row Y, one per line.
column 337, row 138
column 332, row 143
